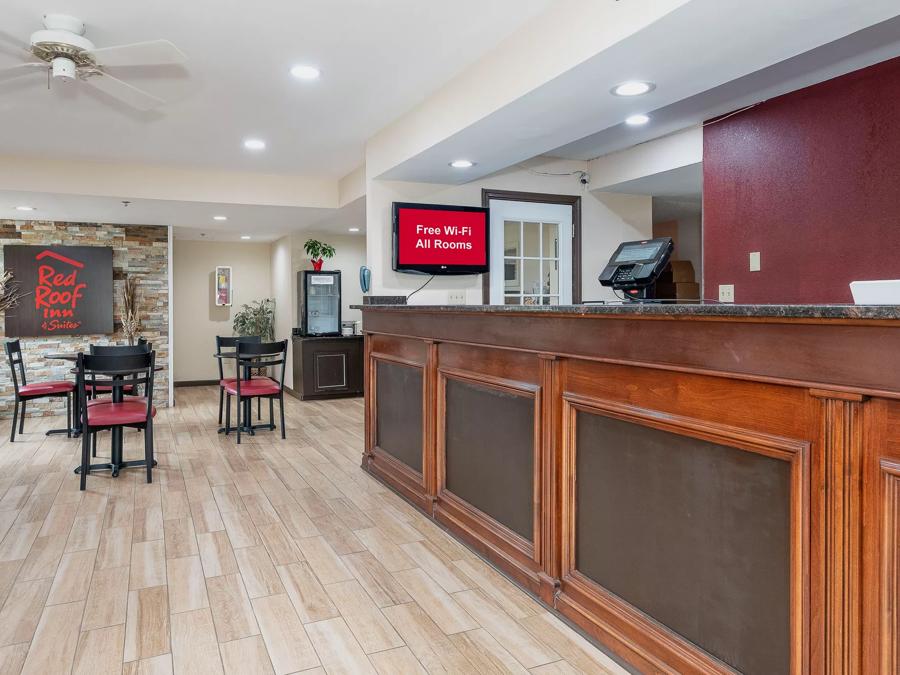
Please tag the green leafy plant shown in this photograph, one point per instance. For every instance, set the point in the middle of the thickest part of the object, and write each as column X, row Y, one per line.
column 257, row 318
column 318, row 251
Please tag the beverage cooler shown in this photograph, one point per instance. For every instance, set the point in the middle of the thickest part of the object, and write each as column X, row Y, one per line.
column 319, row 302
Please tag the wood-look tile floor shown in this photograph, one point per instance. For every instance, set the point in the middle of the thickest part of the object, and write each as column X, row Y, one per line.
column 269, row 557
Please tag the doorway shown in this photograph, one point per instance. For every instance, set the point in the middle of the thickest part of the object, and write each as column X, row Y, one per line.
column 535, row 249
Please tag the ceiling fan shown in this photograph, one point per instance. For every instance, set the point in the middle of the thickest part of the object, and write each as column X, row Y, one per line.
column 66, row 56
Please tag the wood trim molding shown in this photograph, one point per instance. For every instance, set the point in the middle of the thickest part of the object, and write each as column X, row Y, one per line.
column 541, row 198
column 842, row 443
column 890, row 568
column 197, row 383
column 429, row 423
column 647, row 640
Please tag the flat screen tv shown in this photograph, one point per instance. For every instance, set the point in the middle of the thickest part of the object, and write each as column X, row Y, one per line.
column 439, row 239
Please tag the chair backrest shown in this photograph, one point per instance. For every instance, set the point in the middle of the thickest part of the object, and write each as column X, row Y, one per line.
column 14, row 354
column 263, row 355
column 227, row 343
column 121, row 350
column 116, row 371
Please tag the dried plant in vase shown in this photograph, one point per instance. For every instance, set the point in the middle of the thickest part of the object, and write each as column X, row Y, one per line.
column 9, row 292
column 131, row 318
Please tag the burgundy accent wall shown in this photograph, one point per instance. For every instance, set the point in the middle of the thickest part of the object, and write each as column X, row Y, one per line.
column 810, row 179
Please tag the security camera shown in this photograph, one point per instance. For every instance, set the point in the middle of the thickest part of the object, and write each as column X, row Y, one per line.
column 584, row 178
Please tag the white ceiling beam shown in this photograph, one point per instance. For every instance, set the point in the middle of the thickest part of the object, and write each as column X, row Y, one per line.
column 663, row 154
column 137, row 181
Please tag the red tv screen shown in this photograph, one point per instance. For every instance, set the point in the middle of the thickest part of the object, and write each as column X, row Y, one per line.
column 437, row 239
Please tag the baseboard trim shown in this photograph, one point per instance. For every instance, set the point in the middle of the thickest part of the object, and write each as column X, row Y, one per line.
column 196, row 383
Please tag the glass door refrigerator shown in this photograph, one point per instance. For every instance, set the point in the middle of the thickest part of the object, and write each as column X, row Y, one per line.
column 319, row 302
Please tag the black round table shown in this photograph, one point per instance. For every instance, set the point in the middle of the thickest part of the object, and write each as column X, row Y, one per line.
column 75, row 431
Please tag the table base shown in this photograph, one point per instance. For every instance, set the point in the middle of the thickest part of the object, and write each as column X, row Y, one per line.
column 247, row 429
column 116, row 467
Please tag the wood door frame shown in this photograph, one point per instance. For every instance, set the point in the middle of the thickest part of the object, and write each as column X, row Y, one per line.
column 541, row 198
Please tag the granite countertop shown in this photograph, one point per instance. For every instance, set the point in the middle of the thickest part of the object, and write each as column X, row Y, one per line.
column 870, row 312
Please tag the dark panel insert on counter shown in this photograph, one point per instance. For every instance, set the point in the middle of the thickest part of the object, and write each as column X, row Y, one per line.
column 398, row 421
column 693, row 533
column 489, row 464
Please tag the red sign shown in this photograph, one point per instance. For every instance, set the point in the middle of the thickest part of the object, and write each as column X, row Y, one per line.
column 68, row 290
column 58, row 291
column 441, row 237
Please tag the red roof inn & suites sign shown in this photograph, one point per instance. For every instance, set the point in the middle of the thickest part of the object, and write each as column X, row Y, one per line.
column 68, row 290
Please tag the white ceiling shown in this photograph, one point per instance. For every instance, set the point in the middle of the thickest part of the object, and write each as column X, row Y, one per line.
column 378, row 59
column 685, row 182
column 860, row 49
column 706, row 57
column 192, row 220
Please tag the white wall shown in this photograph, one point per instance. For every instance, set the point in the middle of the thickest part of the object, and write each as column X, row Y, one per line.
column 197, row 320
column 283, row 290
column 688, row 213
column 350, row 255
column 603, row 227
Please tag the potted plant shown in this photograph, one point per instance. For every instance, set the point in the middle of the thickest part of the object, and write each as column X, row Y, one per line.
column 257, row 318
column 131, row 318
column 318, row 252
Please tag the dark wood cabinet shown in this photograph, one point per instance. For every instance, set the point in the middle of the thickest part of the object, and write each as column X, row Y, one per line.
column 328, row 367
column 699, row 493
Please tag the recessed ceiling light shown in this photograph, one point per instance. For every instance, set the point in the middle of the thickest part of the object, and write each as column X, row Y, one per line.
column 255, row 144
column 24, row 208
column 637, row 120
column 462, row 164
column 220, row 217
column 632, row 88
column 354, row 229
column 305, row 72
column 245, row 236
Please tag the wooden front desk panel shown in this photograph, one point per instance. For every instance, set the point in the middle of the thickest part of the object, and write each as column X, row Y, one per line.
column 691, row 518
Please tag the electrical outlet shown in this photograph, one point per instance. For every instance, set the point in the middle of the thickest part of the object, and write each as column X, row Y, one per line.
column 726, row 292
column 754, row 261
column 456, row 298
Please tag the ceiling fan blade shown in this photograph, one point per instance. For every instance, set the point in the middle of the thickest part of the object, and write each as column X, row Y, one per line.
column 122, row 91
column 21, row 69
column 152, row 53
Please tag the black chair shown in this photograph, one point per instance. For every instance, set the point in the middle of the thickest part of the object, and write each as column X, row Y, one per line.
column 142, row 347
column 130, row 389
column 115, row 372
column 227, row 345
column 25, row 392
column 257, row 355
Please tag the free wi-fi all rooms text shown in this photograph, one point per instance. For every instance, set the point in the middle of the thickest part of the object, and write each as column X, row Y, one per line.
column 424, row 232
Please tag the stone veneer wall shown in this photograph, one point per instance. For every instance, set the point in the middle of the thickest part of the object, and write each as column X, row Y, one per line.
column 138, row 250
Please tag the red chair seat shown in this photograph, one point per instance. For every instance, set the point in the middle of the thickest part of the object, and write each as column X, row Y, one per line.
column 107, row 413
column 259, row 386
column 44, row 388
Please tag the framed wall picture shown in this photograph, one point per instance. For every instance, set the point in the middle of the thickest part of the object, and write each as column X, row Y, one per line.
column 68, row 290
column 223, row 287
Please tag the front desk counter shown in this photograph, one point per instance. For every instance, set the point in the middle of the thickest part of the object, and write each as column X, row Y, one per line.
column 702, row 489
